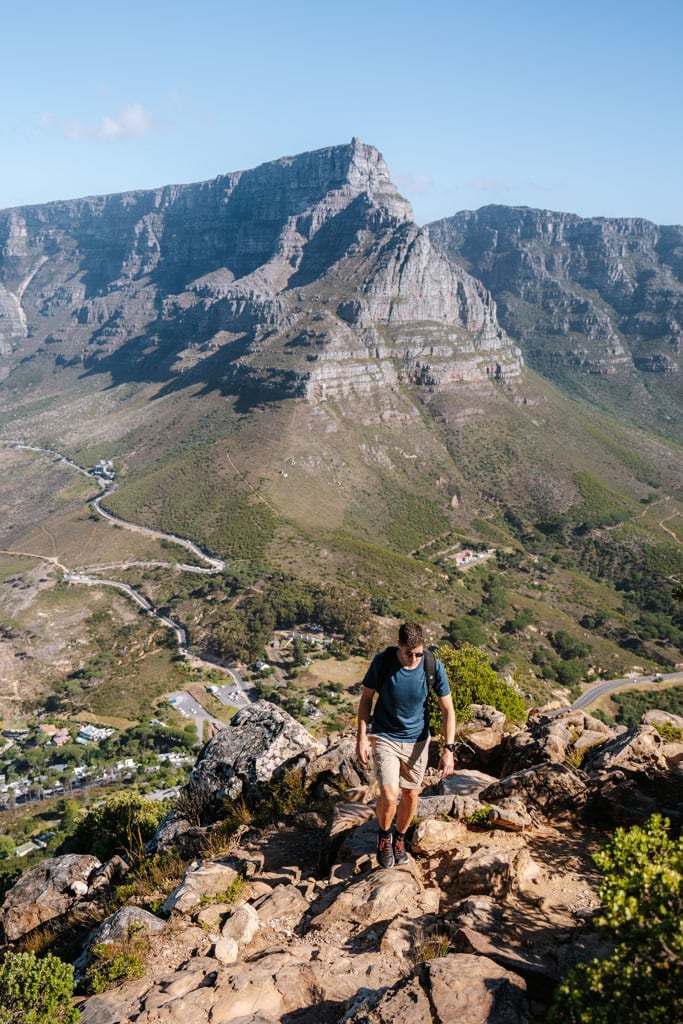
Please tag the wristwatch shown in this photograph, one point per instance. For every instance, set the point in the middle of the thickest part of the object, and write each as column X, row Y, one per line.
column 449, row 746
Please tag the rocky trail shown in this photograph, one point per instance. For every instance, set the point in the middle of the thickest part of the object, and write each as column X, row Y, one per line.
column 293, row 922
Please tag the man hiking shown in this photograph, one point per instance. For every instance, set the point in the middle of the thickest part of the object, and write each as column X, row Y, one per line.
column 399, row 727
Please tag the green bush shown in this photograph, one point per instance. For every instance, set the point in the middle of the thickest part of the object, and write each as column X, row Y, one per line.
column 669, row 732
column 123, row 823
column 641, row 982
column 36, row 991
column 117, row 961
column 473, row 681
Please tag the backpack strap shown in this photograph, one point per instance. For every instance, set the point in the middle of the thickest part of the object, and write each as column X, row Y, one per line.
column 430, row 669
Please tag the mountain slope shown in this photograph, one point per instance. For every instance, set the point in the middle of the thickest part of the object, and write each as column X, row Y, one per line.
column 596, row 304
column 306, row 275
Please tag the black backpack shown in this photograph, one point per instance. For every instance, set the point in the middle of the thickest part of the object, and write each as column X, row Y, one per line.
column 389, row 659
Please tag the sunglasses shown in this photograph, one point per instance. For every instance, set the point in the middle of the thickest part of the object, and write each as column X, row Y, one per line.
column 413, row 654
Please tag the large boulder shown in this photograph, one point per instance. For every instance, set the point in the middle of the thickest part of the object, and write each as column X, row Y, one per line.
column 664, row 718
column 202, row 883
column 552, row 737
column 670, row 728
column 484, row 734
column 547, row 789
column 464, row 987
column 639, row 749
column 346, row 817
column 260, row 742
column 627, row 797
column 175, row 833
column 339, row 767
column 376, row 898
column 46, row 892
column 490, row 871
column 118, row 930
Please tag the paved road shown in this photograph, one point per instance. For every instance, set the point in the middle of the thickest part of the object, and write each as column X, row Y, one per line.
column 610, row 685
column 239, row 695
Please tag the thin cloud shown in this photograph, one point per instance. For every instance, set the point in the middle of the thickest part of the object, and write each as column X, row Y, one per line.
column 132, row 122
column 416, row 184
column 487, row 185
column 482, row 184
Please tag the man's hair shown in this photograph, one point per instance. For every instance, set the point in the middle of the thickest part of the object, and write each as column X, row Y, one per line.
column 411, row 634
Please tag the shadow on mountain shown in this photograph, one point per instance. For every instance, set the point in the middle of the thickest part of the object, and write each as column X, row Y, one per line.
column 332, row 242
column 134, row 362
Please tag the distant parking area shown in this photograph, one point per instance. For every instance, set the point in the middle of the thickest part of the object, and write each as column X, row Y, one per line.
column 185, row 704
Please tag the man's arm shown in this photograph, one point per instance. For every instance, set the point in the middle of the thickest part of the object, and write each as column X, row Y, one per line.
column 364, row 714
column 447, row 763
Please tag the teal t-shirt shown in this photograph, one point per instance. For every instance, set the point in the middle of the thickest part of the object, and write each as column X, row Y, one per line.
column 400, row 711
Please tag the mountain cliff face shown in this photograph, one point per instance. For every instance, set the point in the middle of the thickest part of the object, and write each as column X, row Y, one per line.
column 583, row 297
column 302, row 276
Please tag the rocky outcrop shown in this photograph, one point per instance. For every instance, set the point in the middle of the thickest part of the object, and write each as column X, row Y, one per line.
column 553, row 737
column 304, row 276
column 45, row 892
column 586, row 296
column 259, row 742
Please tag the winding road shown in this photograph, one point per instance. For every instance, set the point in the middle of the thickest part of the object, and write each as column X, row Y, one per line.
column 609, row 685
column 84, row 575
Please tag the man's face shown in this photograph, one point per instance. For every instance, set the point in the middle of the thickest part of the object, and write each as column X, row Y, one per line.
column 410, row 657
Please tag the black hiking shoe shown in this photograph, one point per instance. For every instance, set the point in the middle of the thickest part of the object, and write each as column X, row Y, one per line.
column 400, row 850
column 385, row 852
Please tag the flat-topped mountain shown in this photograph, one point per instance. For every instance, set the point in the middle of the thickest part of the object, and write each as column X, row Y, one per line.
column 585, row 298
column 302, row 276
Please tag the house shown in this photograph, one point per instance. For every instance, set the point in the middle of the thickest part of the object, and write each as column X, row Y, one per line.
column 91, row 734
column 25, row 849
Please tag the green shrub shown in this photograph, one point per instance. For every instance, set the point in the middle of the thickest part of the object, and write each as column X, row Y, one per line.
column 123, row 823
column 116, row 961
column 669, row 732
column 36, row 991
column 480, row 817
column 473, row 681
column 641, row 982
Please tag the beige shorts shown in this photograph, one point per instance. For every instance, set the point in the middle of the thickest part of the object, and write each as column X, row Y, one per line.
column 399, row 764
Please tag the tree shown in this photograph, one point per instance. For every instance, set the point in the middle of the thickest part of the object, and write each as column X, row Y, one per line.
column 641, row 982
column 473, row 681
column 569, row 672
column 7, row 845
column 467, row 628
column 36, row 991
column 298, row 651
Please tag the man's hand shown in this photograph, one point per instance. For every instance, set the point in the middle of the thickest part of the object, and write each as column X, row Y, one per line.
column 363, row 751
column 446, row 764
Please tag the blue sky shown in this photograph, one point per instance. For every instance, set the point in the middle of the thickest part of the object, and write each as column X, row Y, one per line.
column 567, row 106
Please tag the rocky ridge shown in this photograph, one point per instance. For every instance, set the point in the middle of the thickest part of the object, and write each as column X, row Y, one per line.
column 488, row 914
column 589, row 296
column 303, row 276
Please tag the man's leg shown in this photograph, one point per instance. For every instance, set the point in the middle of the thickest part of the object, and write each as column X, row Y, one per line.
column 387, row 767
column 385, row 808
column 406, row 809
column 412, row 776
